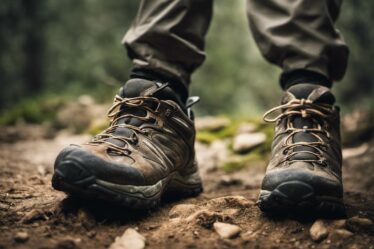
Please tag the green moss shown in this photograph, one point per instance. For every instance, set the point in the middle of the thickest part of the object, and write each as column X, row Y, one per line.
column 206, row 136
column 239, row 162
column 33, row 110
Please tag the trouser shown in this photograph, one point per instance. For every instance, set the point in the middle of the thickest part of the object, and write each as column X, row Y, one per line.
column 167, row 36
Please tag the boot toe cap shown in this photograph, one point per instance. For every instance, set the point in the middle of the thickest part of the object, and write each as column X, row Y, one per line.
column 75, row 163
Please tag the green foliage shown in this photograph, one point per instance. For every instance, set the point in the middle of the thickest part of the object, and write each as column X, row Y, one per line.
column 36, row 110
column 234, row 76
column 74, row 47
column 206, row 136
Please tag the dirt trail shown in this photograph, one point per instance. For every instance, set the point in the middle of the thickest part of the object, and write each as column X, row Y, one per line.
column 50, row 220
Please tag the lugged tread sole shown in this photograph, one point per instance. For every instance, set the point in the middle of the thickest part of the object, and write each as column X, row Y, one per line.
column 91, row 189
column 297, row 197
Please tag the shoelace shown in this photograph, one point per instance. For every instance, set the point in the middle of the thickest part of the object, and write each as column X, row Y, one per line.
column 306, row 109
column 118, row 112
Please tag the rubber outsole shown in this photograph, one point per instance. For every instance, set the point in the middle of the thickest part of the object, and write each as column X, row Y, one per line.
column 129, row 196
column 294, row 197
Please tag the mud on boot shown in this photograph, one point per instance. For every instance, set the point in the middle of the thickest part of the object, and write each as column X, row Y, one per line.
column 304, row 173
column 147, row 151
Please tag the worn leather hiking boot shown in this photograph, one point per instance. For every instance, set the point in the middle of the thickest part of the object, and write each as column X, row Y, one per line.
column 304, row 173
column 147, row 151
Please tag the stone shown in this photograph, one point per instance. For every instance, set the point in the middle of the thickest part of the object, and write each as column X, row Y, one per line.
column 357, row 223
column 246, row 128
column 339, row 234
column 355, row 152
column 182, row 210
column 209, row 123
column 219, row 150
column 75, row 117
column 85, row 100
column 41, row 170
column 318, row 231
column 212, row 155
column 21, row 237
column 245, row 142
column 226, row 230
column 130, row 239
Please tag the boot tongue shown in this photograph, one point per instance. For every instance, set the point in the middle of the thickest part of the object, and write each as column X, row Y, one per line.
column 139, row 88
column 317, row 94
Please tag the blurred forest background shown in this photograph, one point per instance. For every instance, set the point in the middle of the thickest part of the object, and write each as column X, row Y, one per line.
column 53, row 51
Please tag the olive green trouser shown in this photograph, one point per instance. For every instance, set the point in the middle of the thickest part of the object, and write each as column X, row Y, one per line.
column 167, row 36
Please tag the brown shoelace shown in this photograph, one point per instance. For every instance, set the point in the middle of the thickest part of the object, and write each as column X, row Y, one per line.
column 306, row 109
column 118, row 112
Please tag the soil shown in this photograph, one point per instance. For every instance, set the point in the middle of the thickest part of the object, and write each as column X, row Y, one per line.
column 52, row 220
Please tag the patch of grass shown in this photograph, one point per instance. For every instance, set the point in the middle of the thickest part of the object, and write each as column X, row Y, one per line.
column 206, row 137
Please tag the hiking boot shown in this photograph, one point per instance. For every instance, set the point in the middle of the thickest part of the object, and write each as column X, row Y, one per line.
column 304, row 173
column 147, row 151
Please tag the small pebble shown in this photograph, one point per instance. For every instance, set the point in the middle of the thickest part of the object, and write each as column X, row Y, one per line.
column 226, row 231
column 130, row 239
column 357, row 223
column 318, row 231
column 21, row 237
column 341, row 234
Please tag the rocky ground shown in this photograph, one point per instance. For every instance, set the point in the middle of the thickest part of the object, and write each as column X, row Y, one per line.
column 33, row 215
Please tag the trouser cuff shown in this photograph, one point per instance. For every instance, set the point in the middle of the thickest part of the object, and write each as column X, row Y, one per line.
column 303, row 76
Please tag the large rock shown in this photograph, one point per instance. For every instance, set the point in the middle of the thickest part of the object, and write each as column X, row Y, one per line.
column 318, row 231
column 226, row 231
column 246, row 128
column 247, row 141
column 130, row 239
column 78, row 115
column 210, row 123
